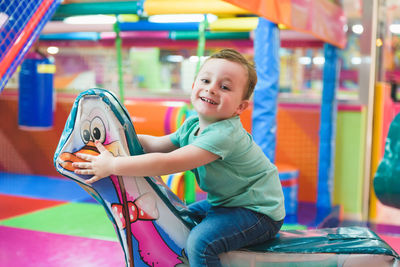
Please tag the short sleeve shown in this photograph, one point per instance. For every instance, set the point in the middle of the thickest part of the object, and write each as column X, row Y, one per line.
column 218, row 138
column 174, row 137
column 179, row 138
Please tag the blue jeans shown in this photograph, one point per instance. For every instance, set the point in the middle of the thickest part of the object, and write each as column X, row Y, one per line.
column 225, row 229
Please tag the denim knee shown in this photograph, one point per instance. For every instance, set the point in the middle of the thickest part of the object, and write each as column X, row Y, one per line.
column 200, row 250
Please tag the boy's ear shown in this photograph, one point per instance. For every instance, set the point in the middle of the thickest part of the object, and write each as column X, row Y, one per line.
column 243, row 105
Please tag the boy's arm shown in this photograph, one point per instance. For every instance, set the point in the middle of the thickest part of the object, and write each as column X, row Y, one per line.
column 151, row 164
column 156, row 143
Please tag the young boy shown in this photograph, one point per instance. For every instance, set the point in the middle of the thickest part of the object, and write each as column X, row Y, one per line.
column 245, row 204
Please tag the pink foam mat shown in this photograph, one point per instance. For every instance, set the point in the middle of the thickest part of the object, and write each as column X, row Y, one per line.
column 19, row 247
column 392, row 240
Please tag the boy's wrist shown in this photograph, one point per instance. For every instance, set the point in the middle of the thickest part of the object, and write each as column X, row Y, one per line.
column 113, row 164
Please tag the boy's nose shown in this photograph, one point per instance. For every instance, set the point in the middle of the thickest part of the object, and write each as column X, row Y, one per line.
column 211, row 89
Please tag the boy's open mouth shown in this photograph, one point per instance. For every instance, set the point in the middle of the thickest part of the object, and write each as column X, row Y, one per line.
column 208, row 100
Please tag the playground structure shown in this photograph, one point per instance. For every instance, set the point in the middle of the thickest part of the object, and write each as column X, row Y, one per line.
column 266, row 87
column 348, row 116
column 332, row 13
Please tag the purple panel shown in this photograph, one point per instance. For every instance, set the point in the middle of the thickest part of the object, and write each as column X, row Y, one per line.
column 19, row 247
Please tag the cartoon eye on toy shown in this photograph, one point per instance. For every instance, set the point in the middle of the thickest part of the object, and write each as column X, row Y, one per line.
column 98, row 130
column 85, row 131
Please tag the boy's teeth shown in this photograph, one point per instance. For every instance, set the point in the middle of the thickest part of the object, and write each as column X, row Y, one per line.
column 207, row 100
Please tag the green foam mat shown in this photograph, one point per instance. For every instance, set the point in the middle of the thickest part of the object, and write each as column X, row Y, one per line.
column 76, row 219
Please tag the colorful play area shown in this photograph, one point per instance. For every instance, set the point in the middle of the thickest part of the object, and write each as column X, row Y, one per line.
column 324, row 111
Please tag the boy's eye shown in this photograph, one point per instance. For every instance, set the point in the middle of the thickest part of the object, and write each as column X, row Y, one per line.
column 205, row 80
column 224, row 87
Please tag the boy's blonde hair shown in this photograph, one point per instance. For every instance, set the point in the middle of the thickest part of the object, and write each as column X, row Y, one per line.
column 235, row 56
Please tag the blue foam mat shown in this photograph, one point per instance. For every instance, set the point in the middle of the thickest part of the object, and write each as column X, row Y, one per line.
column 44, row 187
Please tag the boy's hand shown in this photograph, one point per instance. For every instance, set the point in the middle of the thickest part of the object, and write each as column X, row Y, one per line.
column 100, row 166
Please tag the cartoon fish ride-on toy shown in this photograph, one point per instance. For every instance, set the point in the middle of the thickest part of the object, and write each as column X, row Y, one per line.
column 152, row 223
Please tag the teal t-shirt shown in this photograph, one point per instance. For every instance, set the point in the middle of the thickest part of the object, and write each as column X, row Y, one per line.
column 242, row 176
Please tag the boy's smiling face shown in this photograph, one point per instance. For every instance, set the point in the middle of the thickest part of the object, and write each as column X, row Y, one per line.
column 218, row 90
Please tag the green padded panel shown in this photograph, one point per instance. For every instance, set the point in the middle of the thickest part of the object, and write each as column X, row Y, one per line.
column 349, row 161
column 77, row 219
column 387, row 177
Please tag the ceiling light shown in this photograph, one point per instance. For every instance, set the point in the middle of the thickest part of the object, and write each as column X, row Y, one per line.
column 196, row 58
column 52, row 50
column 175, row 18
column 305, row 60
column 357, row 28
column 395, row 28
column 91, row 19
column 174, row 58
column 356, row 60
column 318, row 60
column 193, row 58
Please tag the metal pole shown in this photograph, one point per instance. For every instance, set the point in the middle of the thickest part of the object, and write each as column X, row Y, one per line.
column 367, row 90
column 118, row 46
